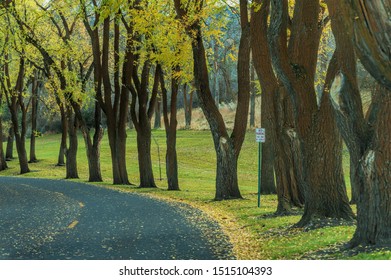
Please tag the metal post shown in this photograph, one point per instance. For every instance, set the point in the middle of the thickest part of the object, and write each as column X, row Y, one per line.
column 259, row 172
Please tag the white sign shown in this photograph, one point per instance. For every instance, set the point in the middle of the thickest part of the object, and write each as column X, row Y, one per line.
column 260, row 135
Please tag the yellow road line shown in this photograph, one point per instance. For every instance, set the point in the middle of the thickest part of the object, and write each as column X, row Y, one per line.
column 81, row 204
column 73, row 224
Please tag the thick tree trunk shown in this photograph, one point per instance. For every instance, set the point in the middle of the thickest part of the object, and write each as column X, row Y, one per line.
column 3, row 162
column 64, row 136
column 34, row 114
column 9, row 155
column 326, row 191
column 144, row 156
column 119, row 176
column 71, row 152
column 22, row 154
column 367, row 137
column 170, row 124
column 287, row 162
column 226, row 175
column 172, row 163
column 353, row 176
column 374, row 176
column 15, row 101
column 271, row 113
column 268, row 153
column 20, row 140
column 295, row 66
column 93, row 147
column 373, row 147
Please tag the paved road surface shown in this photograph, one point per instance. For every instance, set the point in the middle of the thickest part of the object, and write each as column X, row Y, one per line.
column 56, row 219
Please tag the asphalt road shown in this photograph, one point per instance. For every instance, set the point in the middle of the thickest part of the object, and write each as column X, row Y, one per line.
column 56, row 219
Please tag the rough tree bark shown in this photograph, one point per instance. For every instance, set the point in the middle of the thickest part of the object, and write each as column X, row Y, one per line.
column 9, row 154
column 276, row 118
column 36, row 85
column 71, row 151
column 367, row 137
column 142, row 121
column 170, row 124
column 188, row 105
column 295, row 65
column 227, row 147
column 15, row 100
column 115, row 109
column 3, row 162
column 371, row 28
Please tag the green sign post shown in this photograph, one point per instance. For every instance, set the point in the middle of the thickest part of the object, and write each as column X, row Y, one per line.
column 259, row 138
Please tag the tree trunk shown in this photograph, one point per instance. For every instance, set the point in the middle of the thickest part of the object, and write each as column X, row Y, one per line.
column 20, row 141
column 71, row 152
column 92, row 147
column 374, row 175
column 115, row 106
column 287, row 162
column 158, row 113
column 227, row 148
column 295, row 65
column 3, row 162
column 34, row 114
column 267, row 176
column 22, row 154
column 367, row 137
column 171, row 128
column 370, row 24
column 275, row 118
column 188, row 106
column 172, row 162
column 326, row 191
column 144, row 156
column 143, row 125
column 15, row 101
column 226, row 176
column 10, row 144
column 64, row 136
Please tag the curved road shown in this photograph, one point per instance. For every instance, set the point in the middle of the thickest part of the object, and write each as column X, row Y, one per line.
column 53, row 219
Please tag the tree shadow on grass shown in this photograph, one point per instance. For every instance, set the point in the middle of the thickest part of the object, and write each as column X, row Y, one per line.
column 293, row 212
column 343, row 251
column 293, row 230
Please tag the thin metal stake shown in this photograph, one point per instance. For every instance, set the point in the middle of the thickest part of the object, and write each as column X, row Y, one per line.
column 259, row 172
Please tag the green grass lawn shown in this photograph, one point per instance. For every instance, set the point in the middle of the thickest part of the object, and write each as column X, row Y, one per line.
column 254, row 232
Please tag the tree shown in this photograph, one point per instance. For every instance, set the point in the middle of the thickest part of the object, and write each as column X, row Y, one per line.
column 15, row 100
column 295, row 61
column 277, row 118
column 142, row 122
column 187, row 104
column 35, row 88
column 227, row 146
column 9, row 154
column 367, row 136
column 170, row 124
column 3, row 162
column 97, row 18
